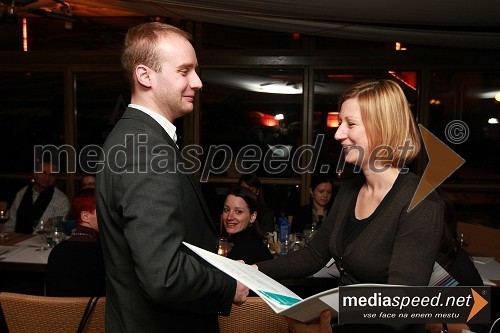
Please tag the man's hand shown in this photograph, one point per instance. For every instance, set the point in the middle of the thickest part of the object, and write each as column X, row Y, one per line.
column 241, row 294
column 322, row 327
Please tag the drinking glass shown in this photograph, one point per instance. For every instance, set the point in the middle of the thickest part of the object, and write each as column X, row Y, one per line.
column 224, row 247
column 4, row 217
column 271, row 243
column 309, row 232
column 296, row 241
column 56, row 234
column 42, row 228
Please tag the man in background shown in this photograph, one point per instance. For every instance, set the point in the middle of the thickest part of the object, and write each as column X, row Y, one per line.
column 39, row 200
column 88, row 181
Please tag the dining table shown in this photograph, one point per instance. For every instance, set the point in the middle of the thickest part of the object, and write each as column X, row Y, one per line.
column 21, row 252
column 23, row 267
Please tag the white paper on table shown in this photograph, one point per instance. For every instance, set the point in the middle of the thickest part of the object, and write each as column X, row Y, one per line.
column 487, row 282
column 7, row 251
column 28, row 255
column 483, row 260
column 32, row 241
column 489, row 270
column 281, row 299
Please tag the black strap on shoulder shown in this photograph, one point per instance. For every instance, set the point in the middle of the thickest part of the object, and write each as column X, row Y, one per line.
column 86, row 314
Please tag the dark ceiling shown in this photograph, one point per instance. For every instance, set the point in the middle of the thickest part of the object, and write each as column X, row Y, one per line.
column 455, row 23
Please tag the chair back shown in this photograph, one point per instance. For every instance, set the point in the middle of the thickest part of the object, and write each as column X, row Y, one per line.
column 29, row 313
column 481, row 240
column 254, row 316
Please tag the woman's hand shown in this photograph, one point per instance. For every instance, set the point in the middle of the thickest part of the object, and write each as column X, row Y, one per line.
column 322, row 327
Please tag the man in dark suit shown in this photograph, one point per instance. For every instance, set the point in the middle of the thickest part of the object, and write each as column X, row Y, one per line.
column 148, row 203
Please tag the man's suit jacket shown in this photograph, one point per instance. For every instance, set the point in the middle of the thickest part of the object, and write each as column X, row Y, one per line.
column 146, row 208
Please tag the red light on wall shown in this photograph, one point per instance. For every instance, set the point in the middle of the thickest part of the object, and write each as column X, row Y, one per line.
column 407, row 78
column 332, row 119
column 269, row 120
column 296, row 36
column 264, row 119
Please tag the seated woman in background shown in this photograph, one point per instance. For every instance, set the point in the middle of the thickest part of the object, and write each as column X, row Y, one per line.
column 313, row 213
column 266, row 218
column 76, row 266
column 240, row 216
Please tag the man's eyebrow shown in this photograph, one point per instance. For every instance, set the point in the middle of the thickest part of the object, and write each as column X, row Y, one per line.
column 187, row 65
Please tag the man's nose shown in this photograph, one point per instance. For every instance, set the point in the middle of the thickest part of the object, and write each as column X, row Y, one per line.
column 196, row 83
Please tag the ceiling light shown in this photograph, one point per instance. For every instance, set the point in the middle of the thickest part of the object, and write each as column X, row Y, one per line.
column 399, row 47
column 485, row 94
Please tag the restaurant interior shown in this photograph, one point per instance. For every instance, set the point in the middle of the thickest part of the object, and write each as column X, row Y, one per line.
column 272, row 73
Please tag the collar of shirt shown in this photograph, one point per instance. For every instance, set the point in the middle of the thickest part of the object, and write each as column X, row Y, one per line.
column 164, row 122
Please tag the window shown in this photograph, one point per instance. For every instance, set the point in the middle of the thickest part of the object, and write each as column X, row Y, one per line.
column 101, row 99
column 464, row 110
column 251, row 111
column 32, row 113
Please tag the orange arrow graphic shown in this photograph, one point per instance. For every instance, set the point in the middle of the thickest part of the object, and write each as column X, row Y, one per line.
column 479, row 303
column 442, row 163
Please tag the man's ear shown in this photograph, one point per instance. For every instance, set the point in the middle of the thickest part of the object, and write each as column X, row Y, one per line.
column 142, row 74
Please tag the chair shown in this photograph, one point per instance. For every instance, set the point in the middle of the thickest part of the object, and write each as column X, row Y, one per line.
column 481, row 240
column 254, row 316
column 29, row 313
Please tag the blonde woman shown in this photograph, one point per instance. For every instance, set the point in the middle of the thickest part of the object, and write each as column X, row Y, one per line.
column 369, row 230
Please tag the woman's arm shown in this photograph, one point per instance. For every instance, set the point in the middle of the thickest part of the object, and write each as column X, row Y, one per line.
column 417, row 243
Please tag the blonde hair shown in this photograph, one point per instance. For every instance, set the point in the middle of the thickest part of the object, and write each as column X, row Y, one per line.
column 140, row 46
column 388, row 120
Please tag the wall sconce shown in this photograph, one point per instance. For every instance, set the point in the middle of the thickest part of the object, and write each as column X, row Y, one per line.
column 269, row 120
column 332, row 119
column 263, row 119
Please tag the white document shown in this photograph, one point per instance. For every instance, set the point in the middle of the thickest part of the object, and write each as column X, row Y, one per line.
column 281, row 299
column 7, row 251
column 483, row 260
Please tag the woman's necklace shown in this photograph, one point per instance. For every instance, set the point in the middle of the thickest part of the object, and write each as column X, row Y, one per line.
column 83, row 234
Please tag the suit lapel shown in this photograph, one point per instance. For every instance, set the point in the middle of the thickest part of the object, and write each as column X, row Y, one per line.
column 194, row 183
column 141, row 116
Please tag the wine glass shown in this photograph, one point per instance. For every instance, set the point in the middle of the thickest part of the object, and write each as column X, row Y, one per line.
column 297, row 241
column 224, row 247
column 4, row 217
column 42, row 228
